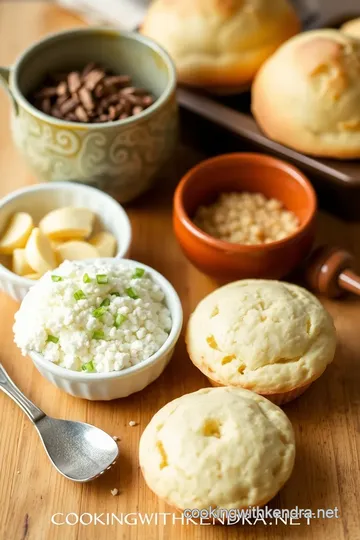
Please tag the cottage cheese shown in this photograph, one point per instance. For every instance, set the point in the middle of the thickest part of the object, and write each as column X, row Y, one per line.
column 97, row 317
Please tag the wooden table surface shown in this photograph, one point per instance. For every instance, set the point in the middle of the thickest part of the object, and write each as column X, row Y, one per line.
column 326, row 419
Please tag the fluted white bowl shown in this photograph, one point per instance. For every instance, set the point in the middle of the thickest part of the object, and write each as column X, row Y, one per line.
column 119, row 384
column 40, row 199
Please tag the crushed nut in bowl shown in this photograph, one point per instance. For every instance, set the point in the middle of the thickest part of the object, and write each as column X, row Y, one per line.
column 246, row 218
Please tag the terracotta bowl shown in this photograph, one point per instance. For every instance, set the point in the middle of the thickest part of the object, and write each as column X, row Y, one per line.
column 244, row 172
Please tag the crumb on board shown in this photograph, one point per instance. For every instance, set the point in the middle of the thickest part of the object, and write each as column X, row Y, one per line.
column 132, row 423
column 17, row 472
column 116, row 438
column 114, row 492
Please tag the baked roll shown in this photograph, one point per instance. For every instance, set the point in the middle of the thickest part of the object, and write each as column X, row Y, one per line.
column 352, row 28
column 271, row 337
column 307, row 95
column 220, row 43
column 224, row 448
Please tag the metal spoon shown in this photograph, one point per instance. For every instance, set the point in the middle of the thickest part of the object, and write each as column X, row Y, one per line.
column 79, row 451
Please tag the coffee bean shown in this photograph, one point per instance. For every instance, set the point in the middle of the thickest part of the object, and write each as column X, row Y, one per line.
column 56, row 112
column 62, row 89
column 86, row 99
column 71, row 117
column 112, row 112
column 74, row 82
column 134, row 100
column 61, row 99
column 132, row 90
column 49, row 91
column 93, row 78
column 117, row 80
column 81, row 114
column 147, row 101
column 69, row 105
column 90, row 95
column 89, row 67
column 99, row 90
column 137, row 109
column 46, row 105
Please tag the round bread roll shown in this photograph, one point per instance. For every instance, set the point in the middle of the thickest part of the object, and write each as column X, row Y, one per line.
column 220, row 43
column 352, row 28
column 267, row 336
column 307, row 95
column 219, row 447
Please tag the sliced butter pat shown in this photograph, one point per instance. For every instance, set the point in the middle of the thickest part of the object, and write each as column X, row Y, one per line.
column 105, row 243
column 20, row 265
column 56, row 243
column 39, row 252
column 16, row 233
column 67, row 223
column 76, row 250
column 33, row 276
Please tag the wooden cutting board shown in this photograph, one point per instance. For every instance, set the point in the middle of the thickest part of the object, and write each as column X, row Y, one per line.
column 326, row 419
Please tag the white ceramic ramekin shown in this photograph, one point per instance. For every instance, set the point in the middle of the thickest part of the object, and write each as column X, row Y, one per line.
column 119, row 384
column 39, row 199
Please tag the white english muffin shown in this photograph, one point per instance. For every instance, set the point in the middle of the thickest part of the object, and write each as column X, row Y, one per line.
column 307, row 94
column 268, row 336
column 220, row 42
column 218, row 447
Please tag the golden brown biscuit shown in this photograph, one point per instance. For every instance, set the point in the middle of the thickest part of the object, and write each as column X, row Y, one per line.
column 307, row 95
column 219, row 43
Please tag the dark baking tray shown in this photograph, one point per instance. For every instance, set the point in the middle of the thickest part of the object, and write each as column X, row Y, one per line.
column 224, row 124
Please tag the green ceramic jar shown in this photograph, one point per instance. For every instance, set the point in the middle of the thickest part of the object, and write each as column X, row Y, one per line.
column 122, row 157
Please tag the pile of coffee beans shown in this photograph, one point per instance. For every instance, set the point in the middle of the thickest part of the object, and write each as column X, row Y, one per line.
column 90, row 95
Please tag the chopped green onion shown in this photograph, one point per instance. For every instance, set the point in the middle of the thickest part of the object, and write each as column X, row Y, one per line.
column 119, row 319
column 98, row 312
column 56, row 278
column 115, row 293
column 52, row 339
column 89, row 367
column 130, row 292
column 79, row 295
column 139, row 272
column 87, row 278
column 105, row 302
column 98, row 334
column 102, row 279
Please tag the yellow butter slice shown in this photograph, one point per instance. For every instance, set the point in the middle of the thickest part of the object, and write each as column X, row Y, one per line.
column 105, row 243
column 16, row 233
column 32, row 276
column 39, row 252
column 56, row 243
column 20, row 263
column 67, row 223
column 76, row 250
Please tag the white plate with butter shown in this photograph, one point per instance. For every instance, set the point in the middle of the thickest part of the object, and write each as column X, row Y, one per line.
column 45, row 224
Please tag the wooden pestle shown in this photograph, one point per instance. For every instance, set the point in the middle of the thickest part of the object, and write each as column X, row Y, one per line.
column 329, row 271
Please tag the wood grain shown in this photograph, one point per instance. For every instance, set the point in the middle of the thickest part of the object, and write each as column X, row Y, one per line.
column 326, row 418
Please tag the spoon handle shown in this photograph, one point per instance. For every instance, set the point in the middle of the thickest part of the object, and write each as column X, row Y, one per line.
column 6, row 384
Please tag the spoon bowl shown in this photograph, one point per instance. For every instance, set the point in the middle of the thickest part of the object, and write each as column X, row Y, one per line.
column 79, row 451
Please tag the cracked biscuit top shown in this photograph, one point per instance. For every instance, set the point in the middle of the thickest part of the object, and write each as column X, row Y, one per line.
column 263, row 335
column 218, row 447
